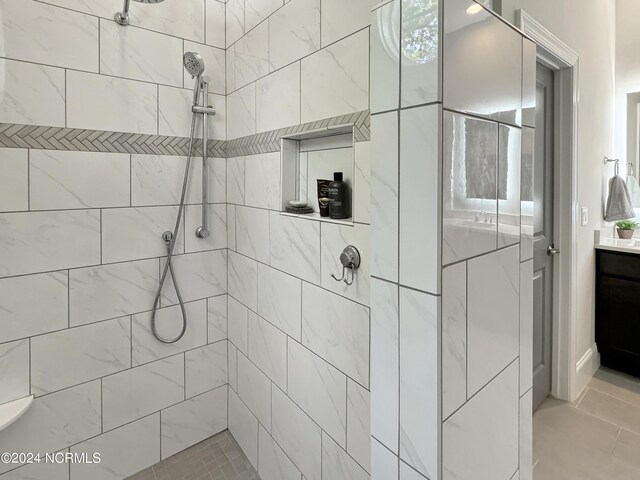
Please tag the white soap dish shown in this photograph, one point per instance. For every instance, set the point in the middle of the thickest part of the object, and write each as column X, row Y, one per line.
column 12, row 411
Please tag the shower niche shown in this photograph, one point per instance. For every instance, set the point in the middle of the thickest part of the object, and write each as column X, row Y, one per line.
column 315, row 155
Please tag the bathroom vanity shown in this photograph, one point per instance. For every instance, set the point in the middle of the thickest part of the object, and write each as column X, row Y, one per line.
column 618, row 304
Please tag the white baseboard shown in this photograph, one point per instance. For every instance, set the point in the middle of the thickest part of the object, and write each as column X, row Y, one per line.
column 586, row 367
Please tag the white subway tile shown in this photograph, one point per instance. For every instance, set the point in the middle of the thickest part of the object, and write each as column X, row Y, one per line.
column 258, row 10
column 158, row 180
column 241, row 112
column 243, row 280
column 337, row 464
column 175, row 115
column 295, row 246
column 294, row 32
column 145, row 346
column 337, row 330
column 280, row 300
column 359, row 424
column 267, row 348
column 199, row 275
column 194, row 420
column 215, row 28
column 70, row 357
column 22, row 317
column 64, row 239
column 341, row 18
column 319, row 389
column 262, row 177
column 123, row 451
column 298, row 436
column 60, row 180
column 273, row 463
column 77, row 418
column 278, row 99
column 238, row 324
column 39, row 33
column 140, row 54
column 122, row 106
column 252, row 229
column 14, row 370
column 254, row 388
column 214, row 66
column 335, row 80
column 251, row 56
column 140, row 391
column 217, row 314
column 244, row 427
column 206, row 368
column 216, row 225
column 14, row 180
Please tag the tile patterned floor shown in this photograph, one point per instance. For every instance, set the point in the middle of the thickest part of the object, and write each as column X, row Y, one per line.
column 216, row 458
column 595, row 438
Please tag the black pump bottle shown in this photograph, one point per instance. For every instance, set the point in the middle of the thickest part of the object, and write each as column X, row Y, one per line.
column 339, row 196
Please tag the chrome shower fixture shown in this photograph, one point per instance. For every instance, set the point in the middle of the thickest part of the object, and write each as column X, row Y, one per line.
column 194, row 65
column 123, row 17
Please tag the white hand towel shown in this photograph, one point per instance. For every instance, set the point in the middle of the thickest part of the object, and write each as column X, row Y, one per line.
column 619, row 206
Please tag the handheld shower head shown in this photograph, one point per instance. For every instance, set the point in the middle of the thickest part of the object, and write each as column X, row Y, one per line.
column 122, row 17
column 194, row 65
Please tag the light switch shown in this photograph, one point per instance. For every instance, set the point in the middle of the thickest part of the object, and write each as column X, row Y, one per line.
column 585, row 216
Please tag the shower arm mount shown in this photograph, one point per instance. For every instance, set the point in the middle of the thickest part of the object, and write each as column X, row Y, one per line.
column 122, row 18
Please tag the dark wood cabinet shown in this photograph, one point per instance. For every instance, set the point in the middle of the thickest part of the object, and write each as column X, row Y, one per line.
column 618, row 310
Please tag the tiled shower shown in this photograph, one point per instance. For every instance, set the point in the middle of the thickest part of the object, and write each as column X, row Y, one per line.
column 420, row 369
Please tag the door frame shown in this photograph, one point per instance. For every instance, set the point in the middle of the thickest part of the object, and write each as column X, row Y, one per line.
column 566, row 383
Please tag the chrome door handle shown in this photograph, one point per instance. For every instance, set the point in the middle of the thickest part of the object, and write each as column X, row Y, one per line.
column 552, row 250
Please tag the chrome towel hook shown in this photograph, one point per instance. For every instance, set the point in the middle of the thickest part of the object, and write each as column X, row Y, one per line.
column 350, row 259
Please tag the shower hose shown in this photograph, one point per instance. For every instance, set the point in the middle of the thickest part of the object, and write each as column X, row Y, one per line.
column 170, row 242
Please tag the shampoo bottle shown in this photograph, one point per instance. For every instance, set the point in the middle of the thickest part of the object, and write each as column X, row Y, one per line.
column 339, row 198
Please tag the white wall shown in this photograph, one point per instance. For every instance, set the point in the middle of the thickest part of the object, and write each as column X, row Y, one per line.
column 589, row 29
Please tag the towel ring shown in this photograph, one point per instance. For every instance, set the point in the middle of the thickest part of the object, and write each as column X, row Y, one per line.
column 617, row 162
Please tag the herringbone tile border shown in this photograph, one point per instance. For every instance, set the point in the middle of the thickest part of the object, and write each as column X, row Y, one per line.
column 82, row 140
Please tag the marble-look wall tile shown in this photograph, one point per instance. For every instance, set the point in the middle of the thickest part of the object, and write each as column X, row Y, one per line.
column 140, row 54
column 337, row 330
column 217, row 180
column 205, row 368
column 65, row 239
column 123, row 451
column 231, row 227
column 140, row 391
column 244, row 427
column 184, row 19
column 385, row 368
column 217, row 314
column 295, row 246
column 335, row 80
column 175, row 115
column 470, row 62
column 319, row 389
column 408, row 473
column 454, row 338
column 70, row 357
column 252, row 229
column 145, row 346
column 241, row 112
column 122, row 106
column 267, row 348
column 334, row 238
column 243, row 280
column 258, row 10
column 262, row 175
column 273, row 463
column 215, row 66
column 254, row 389
column 14, row 370
column 200, row 275
column 294, row 32
column 480, row 440
column 526, row 436
column 280, row 300
column 420, row 181
column 216, row 225
column 158, row 180
column 14, row 179
column 251, row 56
column 509, row 162
column 492, row 318
column 27, row 87
column 278, row 99
column 238, row 325
column 384, row 464
column 341, row 18
column 60, row 180
column 470, row 207
column 297, row 434
column 233, row 367
column 384, row 204
column 362, row 180
column 359, row 424
column 337, row 464
column 230, row 62
column 529, row 59
column 236, row 180
column 420, row 63
column 385, row 57
column 22, row 317
column 77, row 418
column 39, row 471
column 215, row 28
column 526, row 194
column 526, row 326
column 193, row 421
column 136, row 233
column 419, row 372
column 54, row 36
column 235, row 21
column 109, row 291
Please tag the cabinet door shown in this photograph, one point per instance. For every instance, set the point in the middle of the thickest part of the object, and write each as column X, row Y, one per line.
column 618, row 315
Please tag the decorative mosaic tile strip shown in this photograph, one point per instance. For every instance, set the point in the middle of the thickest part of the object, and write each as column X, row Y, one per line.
column 268, row 142
column 81, row 140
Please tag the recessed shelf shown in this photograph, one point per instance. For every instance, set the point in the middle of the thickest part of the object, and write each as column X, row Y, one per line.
column 315, row 216
column 12, row 411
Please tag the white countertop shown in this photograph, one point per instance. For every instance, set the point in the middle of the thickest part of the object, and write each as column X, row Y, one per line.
column 618, row 244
